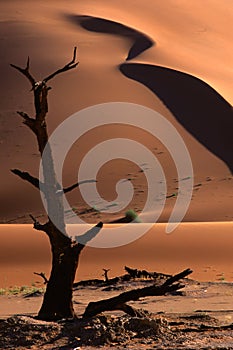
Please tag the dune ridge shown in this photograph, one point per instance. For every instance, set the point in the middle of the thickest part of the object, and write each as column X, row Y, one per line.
column 141, row 42
column 190, row 99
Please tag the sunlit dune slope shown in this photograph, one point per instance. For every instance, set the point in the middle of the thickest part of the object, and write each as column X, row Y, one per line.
column 179, row 36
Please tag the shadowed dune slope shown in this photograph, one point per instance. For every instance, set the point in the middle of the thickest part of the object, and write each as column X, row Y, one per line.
column 141, row 42
column 192, row 101
column 197, row 106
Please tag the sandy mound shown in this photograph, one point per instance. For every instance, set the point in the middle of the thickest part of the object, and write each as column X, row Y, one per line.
column 184, row 332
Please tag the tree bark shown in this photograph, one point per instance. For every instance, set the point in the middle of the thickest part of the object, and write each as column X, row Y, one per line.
column 57, row 302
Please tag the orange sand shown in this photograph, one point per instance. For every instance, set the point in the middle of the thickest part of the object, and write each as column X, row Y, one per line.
column 189, row 36
column 204, row 247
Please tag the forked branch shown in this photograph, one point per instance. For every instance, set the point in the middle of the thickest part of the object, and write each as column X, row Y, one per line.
column 25, row 72
column 42, row 274
column 72, row 64
column 88, row 236
column 40, row 90
column 40, row 227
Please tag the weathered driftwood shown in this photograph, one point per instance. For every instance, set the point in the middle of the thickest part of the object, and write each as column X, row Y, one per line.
column 119, row 302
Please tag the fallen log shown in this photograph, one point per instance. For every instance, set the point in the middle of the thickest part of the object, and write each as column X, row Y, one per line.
column 119, row 302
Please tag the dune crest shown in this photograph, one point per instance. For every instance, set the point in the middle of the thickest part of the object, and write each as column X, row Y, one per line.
column 141, row 41
column 191, row 100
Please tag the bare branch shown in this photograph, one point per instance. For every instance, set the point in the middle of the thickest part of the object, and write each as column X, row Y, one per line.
column 72, row 64
column 28, row 63
column 26, row 176
column 116, row 303
column 40, row 227
column 87, row 236
column 37, row 225
column 42, row 274
column 30, row 122
column 33, row 219
column 24, row 115
column 72, row 187
column 177, row 277
column 25, row 72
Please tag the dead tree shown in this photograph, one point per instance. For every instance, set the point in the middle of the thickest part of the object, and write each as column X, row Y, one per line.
column 120, row 301
column 57, row 302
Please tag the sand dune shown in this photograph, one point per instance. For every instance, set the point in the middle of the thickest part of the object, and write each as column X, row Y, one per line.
column 174, row 57
column 141, row 42
column 119, row 31
column 204, row 247
column 192, row 102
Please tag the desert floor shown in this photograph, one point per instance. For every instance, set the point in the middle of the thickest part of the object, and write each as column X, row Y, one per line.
column 198, row 318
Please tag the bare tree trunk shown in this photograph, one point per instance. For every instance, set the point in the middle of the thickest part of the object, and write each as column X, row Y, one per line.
column 57, row 301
